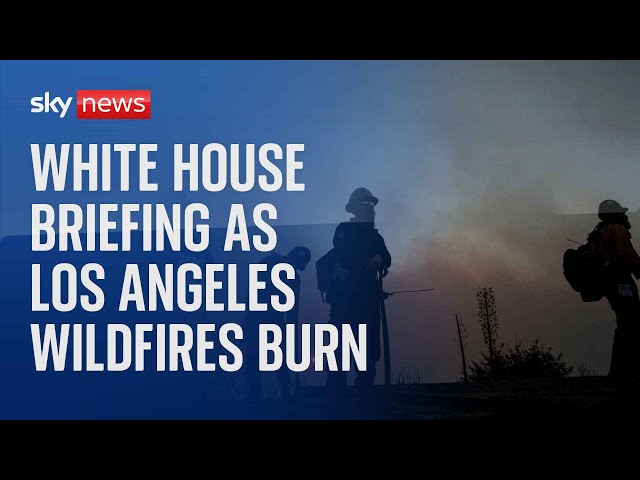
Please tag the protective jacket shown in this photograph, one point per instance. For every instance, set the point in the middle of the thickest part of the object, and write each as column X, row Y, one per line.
column 614, row 244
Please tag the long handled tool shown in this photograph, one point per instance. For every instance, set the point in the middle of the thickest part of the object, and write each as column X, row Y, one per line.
column 385, row 336
column 385, row 327
column 388, row 294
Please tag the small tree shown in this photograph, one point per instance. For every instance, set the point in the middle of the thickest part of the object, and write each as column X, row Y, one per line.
column 488, row 317
column 519, row 363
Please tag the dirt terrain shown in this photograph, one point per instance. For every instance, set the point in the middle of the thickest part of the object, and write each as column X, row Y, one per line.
column 571, row 399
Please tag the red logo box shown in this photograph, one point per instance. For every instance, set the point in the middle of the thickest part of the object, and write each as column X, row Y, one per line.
column 113, row 104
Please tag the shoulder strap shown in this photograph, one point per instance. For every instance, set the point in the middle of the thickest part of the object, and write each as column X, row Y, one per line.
column 609, row 257
column 595, row 232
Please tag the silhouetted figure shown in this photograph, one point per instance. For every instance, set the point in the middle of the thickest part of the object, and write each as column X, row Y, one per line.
column 298, row 257
column 611, row 239
column 348, row 277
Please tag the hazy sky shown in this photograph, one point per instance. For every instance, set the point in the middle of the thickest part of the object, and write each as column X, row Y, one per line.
column 481, row 161
column 522, row 142
column 473, row 162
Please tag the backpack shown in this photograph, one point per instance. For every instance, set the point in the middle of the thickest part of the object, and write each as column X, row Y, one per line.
column 324, row 271
column 586, row 272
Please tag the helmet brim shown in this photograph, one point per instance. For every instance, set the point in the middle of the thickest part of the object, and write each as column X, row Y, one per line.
column 349, row 206
column 613, row 212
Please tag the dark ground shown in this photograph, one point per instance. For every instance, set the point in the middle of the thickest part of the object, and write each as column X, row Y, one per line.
column 589, row 398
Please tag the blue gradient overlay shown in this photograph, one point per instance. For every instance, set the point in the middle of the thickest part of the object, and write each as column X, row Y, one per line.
column 342, row 112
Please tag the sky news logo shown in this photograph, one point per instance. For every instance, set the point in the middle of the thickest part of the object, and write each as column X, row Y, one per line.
column 98, row 104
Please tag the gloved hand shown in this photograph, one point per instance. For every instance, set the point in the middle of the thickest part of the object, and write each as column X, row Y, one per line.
column 340, row 273
column 375, row 264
